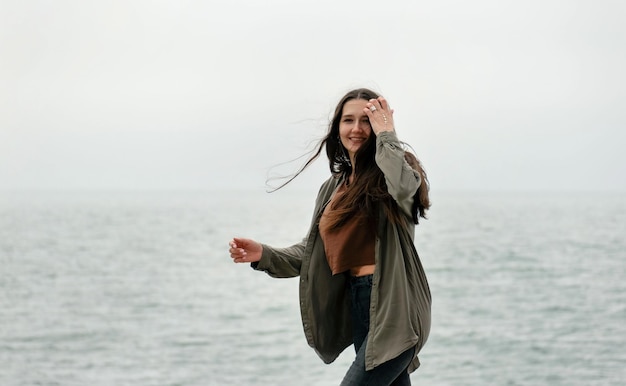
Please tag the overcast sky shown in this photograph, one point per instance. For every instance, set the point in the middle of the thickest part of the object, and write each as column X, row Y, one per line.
column 145, row 94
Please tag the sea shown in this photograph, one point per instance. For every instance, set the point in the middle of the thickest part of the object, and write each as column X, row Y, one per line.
column 137, row 288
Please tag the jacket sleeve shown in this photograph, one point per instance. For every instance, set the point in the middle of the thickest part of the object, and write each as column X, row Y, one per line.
column 402, row 181
column 287, row 262
column 281, row 262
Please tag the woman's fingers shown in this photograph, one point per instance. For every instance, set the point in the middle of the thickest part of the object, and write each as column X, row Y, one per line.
column 245, row 250
column 383, row 103
column 379, row 103
column 238, row 254
column 374, row 104
column 379, row 114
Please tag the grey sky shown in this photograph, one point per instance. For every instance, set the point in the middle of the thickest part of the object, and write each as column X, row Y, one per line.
column 205, row 94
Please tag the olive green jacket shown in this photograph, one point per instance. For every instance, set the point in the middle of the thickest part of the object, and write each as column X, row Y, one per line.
column 400, row 301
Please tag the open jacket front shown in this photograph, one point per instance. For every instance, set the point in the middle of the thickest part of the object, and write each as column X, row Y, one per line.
column 400, row 301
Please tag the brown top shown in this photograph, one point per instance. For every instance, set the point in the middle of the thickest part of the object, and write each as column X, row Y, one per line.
column 352, row 244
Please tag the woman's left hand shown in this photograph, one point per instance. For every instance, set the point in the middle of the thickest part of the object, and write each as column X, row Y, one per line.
column 379, row 114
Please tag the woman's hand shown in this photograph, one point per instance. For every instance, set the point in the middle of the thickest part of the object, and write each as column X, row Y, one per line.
column 245, row 250
column 379, row 114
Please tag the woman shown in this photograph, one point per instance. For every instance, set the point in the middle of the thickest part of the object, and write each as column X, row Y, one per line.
column 361, row 280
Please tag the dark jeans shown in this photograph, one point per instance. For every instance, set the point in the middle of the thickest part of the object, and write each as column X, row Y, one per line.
column 393, row 372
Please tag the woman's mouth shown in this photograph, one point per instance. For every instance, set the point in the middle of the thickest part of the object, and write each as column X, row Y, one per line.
column 357, row 139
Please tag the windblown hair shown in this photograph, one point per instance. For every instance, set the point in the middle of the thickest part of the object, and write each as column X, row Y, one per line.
column 368, row 189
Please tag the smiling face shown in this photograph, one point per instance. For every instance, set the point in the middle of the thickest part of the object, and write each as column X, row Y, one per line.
column 354, row 126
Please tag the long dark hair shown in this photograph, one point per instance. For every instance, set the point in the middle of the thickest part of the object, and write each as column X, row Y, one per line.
column 368, row 189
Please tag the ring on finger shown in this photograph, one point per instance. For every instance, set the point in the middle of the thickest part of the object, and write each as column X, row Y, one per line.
column 372, row 108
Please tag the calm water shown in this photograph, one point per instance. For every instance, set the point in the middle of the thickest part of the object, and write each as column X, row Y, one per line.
column 138, row 289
